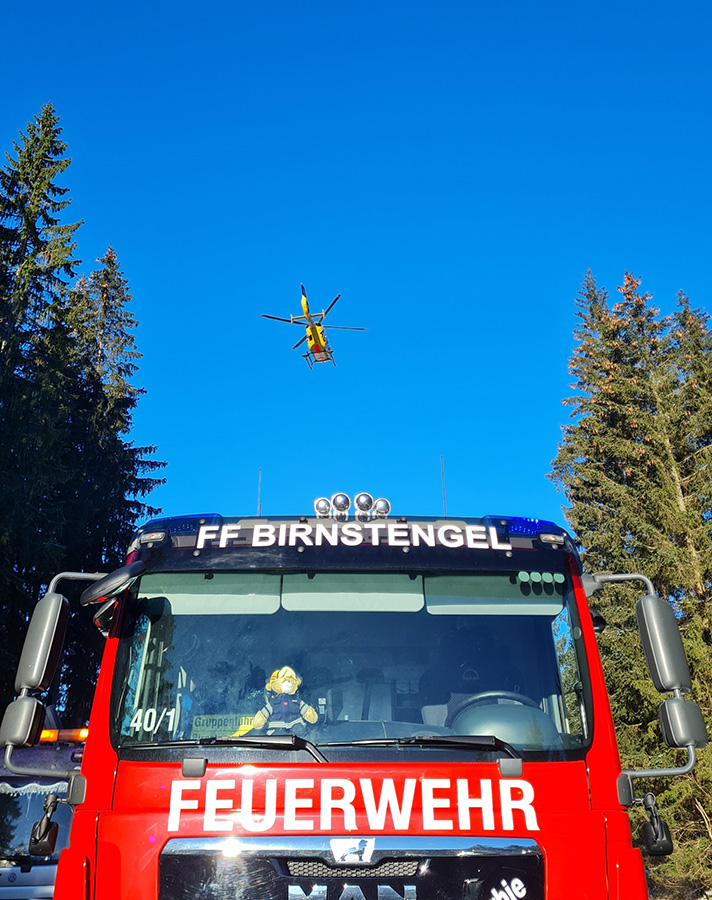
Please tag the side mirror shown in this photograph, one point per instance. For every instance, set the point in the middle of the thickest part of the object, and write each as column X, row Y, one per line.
column 22, row 723
column 104, row 616
column 682, row 723
column 662, row 644
column 24, row 717
column 599, row 623
column 43, row 837
column 655, row 832
column 113, row 583
column 43, row 644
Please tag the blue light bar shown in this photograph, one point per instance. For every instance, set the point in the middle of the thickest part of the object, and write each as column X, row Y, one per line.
column 180, row 524
column 527, row 526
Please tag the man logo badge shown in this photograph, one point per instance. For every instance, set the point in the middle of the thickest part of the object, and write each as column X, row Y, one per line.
column 351, row 892
column 352, row 851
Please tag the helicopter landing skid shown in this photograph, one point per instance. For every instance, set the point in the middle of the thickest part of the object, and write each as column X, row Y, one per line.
column 310, row 361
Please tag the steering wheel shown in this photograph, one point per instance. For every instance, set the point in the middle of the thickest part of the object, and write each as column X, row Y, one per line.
column 488, row 697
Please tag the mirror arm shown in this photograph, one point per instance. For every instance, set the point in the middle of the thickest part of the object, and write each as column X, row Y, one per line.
column 28, row 770
column 665, row 773
column 626, row 795
column 593, row 582
column 76, row 782
column 73, row 576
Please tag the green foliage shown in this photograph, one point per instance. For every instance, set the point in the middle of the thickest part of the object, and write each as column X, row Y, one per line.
column 634, row 467
column 70, row 480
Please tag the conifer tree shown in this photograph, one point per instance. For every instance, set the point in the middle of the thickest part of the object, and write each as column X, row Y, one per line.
column 110, row 475
column 634, row 466
column 37, row 249
column 103, row 332
column 71, row 481
column 36, row 264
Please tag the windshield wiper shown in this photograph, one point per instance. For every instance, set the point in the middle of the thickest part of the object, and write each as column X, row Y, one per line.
column 456, row 741
column 270, row 742
column 260, row 742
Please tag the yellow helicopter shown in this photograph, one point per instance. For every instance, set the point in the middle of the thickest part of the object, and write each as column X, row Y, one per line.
column 318, row 349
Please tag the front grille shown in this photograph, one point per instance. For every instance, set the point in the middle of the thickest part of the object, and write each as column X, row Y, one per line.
column 401, row 867
column 389, row 868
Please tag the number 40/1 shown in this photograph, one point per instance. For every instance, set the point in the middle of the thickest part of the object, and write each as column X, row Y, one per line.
column 150, row 719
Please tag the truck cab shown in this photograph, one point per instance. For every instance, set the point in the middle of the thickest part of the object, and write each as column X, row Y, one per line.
column 355, row 707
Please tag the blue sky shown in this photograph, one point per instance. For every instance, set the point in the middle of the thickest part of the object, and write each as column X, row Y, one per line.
column 452, row 169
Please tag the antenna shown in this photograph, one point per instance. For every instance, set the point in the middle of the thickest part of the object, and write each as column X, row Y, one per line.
column 259, row 489
column 442, row 477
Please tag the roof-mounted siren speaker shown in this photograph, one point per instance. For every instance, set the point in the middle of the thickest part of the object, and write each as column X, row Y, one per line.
column 363, row 504
column 381, row 508
column 341, row 503
column 322, row 507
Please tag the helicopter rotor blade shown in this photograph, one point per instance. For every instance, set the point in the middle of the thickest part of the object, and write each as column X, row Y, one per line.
column 280, row 319
column 345, row 328
column 299, row 343
column 330, row 306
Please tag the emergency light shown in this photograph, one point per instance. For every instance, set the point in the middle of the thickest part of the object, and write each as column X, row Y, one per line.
column 51, row 735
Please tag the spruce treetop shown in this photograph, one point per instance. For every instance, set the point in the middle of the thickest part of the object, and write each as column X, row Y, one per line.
column 37, row 258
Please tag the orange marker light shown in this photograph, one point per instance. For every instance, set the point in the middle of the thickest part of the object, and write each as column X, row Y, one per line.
column 50, row 735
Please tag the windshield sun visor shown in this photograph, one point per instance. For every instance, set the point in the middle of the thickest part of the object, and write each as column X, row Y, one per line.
column 220, row 593
column 513, row 594
column 341, row 592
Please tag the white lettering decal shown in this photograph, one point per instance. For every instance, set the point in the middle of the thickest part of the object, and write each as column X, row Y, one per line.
column 484, row 802
column 178, row 803
column 329, row 533
column 150, row 720
column 227, row 533
column 345, row 803
column 457, row 540
column 263, row 535
column 431, row 803
column 351, row 535
column 524, row 803
column 476, row 537
column 398, row 535
column 509, row 891
column 292, row 803
column 427, row 535
column 206, row 533
column 375, row 528
column 333, row 801
column 212, row 822
column 494, row 540
column 388, row 800
column 248, row 820
column 301, row 531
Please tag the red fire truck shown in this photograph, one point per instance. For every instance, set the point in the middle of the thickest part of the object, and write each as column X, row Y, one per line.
column 352, row 705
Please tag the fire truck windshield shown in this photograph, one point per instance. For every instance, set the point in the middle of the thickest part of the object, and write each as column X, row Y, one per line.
column 341, row 658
